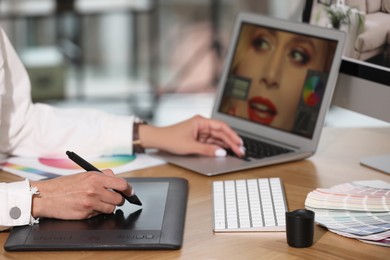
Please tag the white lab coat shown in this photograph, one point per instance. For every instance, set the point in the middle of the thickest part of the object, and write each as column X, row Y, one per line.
column 28, row 129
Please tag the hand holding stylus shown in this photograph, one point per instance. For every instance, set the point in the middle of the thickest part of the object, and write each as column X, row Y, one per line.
column 133, row 199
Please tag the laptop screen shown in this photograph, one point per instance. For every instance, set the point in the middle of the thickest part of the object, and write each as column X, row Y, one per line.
column 277, row 78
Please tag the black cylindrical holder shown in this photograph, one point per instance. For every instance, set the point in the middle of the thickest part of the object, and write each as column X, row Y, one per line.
column 300, row 228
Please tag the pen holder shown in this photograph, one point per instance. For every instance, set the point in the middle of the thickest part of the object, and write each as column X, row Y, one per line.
column 300, row 228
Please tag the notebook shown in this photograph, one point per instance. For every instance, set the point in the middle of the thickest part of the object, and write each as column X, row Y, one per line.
column 276, row 87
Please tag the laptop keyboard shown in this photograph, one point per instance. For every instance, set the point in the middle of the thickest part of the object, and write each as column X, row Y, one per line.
column 259, row 149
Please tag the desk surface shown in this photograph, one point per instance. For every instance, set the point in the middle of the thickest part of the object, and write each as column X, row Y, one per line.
column 336, row 161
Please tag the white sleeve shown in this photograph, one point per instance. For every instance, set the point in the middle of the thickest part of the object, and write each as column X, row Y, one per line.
column 28, row 129
column 15, row 206
column 50, row 131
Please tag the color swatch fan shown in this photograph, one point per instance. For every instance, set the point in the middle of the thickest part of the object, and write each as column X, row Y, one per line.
column 358, row 210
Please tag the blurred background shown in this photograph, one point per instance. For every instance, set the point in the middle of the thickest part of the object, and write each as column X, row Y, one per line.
column 157, row 59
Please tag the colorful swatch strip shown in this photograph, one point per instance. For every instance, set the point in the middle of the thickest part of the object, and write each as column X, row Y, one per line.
column 34, row 171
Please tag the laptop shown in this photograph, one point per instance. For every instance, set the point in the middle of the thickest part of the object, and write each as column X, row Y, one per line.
column 275, row 88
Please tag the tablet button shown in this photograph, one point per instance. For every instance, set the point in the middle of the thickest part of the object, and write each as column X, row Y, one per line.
column 150, row 236
column 140, row 236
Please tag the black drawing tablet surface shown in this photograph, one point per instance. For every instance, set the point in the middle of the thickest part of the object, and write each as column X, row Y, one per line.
column 157, row 224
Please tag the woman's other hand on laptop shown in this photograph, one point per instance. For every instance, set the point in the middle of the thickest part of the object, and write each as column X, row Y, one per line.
column 197, row 135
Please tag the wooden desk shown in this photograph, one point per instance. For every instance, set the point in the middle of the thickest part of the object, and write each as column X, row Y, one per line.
column 336, row 161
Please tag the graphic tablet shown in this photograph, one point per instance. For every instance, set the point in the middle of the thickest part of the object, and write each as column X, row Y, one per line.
column 157, row 224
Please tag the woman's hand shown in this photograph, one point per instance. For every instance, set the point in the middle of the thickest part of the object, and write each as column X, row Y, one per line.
column 197, row 135
column 78, row 196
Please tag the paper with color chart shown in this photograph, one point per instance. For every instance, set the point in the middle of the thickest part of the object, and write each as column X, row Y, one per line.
column 358, row 210
column 349, row 196
column 42, row 168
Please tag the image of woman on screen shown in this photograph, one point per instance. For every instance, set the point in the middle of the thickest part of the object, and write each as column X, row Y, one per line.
column 268, row 73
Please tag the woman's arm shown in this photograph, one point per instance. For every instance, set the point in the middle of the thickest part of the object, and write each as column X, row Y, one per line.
column 197, row 135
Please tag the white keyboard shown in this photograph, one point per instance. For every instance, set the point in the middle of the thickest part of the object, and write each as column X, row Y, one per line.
column 249, row 205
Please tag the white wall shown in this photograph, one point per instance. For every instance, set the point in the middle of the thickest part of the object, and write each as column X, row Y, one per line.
column 286, row 9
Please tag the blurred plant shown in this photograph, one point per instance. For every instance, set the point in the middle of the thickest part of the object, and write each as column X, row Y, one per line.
column 341, row 14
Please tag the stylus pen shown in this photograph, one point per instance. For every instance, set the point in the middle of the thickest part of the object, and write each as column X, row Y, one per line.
column 89, row 167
